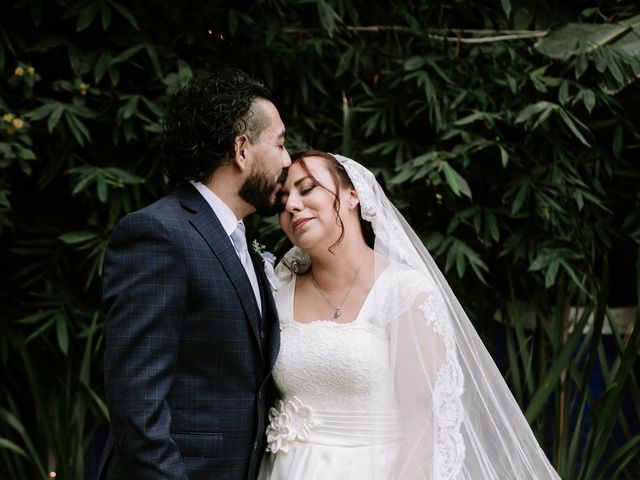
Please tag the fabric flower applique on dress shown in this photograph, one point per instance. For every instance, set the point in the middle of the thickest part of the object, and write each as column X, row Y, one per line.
column 289, row 421
column 268, row 262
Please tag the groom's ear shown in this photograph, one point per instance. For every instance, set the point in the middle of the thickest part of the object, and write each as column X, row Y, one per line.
column 241, row 144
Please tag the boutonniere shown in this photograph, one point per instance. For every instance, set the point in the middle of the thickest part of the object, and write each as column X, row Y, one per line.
column 268, row 263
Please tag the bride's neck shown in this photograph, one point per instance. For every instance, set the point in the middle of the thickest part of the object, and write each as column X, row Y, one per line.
column 347, row 257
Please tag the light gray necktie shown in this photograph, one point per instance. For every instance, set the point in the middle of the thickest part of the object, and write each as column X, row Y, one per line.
column 239, row 240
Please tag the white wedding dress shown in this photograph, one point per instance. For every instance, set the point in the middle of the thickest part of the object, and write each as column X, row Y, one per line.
column 406, row 391
column 339, row 417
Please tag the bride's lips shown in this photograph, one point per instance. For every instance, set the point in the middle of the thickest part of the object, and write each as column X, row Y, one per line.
column 298, row 223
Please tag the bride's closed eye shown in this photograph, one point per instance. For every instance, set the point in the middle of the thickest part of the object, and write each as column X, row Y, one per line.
column 307, row 186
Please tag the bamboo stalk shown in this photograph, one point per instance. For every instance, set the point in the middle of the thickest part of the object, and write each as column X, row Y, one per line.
column 437, row 33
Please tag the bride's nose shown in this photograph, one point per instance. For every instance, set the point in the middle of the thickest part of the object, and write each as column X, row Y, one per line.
column 294, row 203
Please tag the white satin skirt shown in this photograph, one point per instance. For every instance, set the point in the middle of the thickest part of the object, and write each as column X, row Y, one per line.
column 342, row 446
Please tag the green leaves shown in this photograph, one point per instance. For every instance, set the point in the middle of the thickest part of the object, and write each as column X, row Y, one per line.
column 458, row 185
column 506, row 7
column 614, row 49
column 328, row 16
column 103, row 178
column 536, row 114
column 514, row 160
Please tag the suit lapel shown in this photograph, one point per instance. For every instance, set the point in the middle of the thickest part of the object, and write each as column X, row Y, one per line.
column 209, row 227
column 269, row 311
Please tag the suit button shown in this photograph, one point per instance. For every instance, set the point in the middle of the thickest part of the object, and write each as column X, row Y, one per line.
column 261, row 333
column 260, row 395
column 255, row 445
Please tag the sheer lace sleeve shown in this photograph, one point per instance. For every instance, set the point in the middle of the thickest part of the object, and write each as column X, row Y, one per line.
column 428, row 381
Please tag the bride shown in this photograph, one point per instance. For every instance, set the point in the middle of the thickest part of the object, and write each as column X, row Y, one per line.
column 380, row 371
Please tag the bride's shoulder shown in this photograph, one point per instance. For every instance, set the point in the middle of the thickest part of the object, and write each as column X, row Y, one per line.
column 401, row 277
column 406, row 289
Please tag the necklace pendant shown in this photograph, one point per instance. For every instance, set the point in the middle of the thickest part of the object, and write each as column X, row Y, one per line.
column 338, row 312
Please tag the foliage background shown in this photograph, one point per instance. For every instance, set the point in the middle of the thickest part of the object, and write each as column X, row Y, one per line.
column 514, row 158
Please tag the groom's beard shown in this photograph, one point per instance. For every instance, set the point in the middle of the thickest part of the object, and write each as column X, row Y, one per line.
column 259, row 190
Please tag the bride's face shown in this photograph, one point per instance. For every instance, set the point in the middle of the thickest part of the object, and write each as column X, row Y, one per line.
column 308, row 215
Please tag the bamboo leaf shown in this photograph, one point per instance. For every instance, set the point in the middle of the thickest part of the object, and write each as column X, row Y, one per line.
column 549, row 381
column 87, row 16
column 589, row 99
column 492, row 225
column 62, row 333
column 611, row 404
column 9, row 445
column 15, row 423
column 576, row 281
column 127, row 54
column 623, row 456
column 130, row 107
column 74, row 238
column 572, row 126
column 328, row 17
column 617, row 141
column 506, row 7
column 54, row 118
column 458, row 185
column 105, row 15
column 563, row 92
column 581, row 65
column 43, row 111
column 414, row 63
column 126, row 13
column 504, row 155
column 521, row 196
column 155, row 108
column 535, row 109
column 155, row 60
column 100, row 68
column 78, row 129
column 101, row 185
column 552, row 273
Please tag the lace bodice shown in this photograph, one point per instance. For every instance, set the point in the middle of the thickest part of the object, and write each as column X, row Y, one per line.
column 347, row 366
column 333, row 366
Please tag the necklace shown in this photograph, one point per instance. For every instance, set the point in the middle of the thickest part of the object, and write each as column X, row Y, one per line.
column 338, row 308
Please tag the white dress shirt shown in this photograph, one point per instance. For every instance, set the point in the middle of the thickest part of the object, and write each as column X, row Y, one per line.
column 229, row 224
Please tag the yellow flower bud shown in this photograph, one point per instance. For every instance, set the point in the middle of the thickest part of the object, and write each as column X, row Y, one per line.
column 19, row 71
column 11, row 129
column 31, row 70
column 18, row 123
column 7, row 117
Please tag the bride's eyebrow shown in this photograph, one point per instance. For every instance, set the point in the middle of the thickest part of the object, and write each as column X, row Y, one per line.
column 299, row 181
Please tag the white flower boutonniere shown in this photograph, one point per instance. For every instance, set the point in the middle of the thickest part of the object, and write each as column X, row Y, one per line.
column 268, row 262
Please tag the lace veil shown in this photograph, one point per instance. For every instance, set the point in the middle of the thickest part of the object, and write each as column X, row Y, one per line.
column 460, row 421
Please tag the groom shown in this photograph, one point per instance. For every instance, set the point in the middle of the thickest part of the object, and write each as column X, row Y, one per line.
column 191, row 327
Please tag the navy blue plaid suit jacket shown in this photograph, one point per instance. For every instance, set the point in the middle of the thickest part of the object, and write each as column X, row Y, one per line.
column 188, row 358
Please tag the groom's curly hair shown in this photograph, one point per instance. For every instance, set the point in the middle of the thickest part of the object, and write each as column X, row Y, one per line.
column 203, row 120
